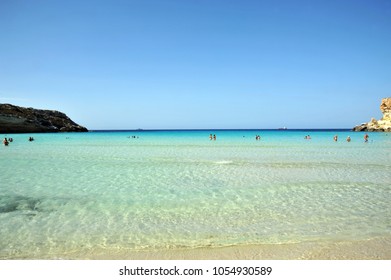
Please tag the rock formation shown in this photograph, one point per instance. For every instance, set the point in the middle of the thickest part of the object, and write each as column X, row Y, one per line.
column 384, row 124
column 15, row 119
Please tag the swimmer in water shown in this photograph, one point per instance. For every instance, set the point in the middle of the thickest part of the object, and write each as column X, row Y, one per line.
column 5, row 142
column 366, row 138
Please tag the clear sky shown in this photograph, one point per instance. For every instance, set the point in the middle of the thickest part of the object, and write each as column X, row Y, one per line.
column 166, row 64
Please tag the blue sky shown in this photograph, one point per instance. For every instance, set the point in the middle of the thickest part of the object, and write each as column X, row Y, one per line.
column 198, row 63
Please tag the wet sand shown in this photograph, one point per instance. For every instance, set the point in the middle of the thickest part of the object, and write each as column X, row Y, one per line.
column 374, row 249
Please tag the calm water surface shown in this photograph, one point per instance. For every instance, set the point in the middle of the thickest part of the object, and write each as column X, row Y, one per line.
column 64, row 193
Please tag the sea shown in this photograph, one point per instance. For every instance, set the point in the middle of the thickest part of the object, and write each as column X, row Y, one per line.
column 70, row 195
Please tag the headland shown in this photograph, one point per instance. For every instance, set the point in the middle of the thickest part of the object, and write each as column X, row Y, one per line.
column 384, row 124
column 15, row 119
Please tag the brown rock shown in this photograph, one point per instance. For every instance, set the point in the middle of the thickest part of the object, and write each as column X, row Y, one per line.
column 384, row 124
column 385, row 105
column 15, row 119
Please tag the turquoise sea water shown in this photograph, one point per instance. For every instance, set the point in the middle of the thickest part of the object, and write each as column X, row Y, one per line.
column 65, row 193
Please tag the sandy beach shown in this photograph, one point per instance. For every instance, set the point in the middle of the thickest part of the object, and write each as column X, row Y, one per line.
column 374, row 249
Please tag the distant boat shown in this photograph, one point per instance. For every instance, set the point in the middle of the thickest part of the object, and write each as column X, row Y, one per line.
column 282, row 128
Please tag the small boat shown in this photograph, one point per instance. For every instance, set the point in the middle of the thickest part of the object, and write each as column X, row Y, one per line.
column 282, row 128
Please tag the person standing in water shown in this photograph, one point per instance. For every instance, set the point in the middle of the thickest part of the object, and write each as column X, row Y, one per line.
column 348, row 139
column 366, row 138
column 5, row 142
column 336, row 138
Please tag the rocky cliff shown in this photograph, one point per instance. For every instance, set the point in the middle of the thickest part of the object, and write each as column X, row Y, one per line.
column 384, row 124
column 15, row 119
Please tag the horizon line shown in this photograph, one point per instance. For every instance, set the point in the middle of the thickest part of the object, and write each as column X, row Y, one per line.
column 217, row 129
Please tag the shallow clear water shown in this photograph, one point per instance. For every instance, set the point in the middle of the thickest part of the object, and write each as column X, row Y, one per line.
column 64, row 193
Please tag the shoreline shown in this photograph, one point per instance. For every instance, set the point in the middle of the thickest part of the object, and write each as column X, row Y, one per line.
column 372, row 249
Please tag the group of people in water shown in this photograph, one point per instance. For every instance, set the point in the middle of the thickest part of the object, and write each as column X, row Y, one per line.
column 10, row 140
column 307, row 137
column 348, row 139
column 7, row 141
column 212, row 137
